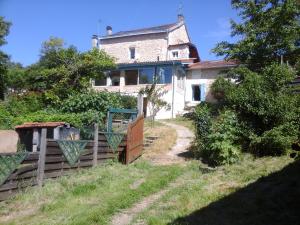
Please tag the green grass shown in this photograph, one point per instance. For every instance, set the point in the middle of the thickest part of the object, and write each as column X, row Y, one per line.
column 253, row 191
column 233, row 194
column 90, row 196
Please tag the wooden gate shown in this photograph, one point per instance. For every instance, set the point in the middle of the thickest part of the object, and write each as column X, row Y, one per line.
column 135, row 140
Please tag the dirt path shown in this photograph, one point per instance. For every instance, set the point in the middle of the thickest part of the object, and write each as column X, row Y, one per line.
column 183, row 142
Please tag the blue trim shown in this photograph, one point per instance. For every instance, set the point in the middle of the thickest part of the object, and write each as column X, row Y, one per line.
column 148, row 64
column 202, row 92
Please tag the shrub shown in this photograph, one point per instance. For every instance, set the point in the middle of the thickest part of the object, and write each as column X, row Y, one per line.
column 202, row 117
column 5, row 118
column 24, row 103
column 222, row 145
column 98, row 101
column 276, row 141
column 128, row 102
column 79, row 120
column 264, row 103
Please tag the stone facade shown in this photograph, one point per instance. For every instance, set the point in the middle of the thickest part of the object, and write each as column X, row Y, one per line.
column 169, row 46
column 148, row 46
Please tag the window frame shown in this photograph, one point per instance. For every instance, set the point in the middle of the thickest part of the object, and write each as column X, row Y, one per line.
column 177, row 52
column 132, row 52
column 193, row 92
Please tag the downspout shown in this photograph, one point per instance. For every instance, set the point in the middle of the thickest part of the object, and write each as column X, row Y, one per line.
column 173, row 89
column 167, row 54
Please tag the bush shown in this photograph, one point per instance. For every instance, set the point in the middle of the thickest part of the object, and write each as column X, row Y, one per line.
column 223, row 139
column 264, row 103
column 99, row 102
column 203, row 120
column 276, row 141
column 79, row 120
column 5, row 118
column 128, row 102
column 24, row 103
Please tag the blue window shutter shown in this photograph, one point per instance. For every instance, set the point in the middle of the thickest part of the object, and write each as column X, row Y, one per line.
column 202, row 92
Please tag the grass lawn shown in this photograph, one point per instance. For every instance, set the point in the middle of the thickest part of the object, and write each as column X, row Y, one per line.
column 90, row 196
column 256, row 191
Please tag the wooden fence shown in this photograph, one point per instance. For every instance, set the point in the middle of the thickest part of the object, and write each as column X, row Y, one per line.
column 50, row 163
column 135, row 140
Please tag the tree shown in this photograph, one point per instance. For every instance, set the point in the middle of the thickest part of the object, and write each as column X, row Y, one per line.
column 269, row 30
column 15, row 79
column 154, row 99
column 62, row 71
column 4, row 29
column 265, row 105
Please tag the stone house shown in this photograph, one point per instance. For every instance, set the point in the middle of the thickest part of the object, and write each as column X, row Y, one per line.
column 163, row 52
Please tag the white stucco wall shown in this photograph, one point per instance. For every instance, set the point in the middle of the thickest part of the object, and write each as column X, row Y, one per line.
column 183, row 51
column 198, row 77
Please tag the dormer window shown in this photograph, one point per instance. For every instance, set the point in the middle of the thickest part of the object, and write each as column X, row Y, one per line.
column 132, row 52
column 175, row 54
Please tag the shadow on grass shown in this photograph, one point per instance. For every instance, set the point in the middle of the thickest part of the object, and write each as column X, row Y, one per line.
column 271, row 200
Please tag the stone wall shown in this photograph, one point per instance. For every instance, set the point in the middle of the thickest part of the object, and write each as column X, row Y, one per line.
column 147, row 48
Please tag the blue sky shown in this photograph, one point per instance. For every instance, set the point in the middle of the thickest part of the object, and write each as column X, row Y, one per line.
column 34, row 21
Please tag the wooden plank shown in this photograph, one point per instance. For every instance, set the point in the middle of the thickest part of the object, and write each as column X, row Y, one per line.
column 95, row 147
column 6, row 195
column 105, row 144
column 17, row 185
column 135, row 138
column 41, row 163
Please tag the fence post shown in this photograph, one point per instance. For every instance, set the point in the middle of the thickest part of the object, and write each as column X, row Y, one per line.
column 42, row 158
column 140, row 104
column 95, row 146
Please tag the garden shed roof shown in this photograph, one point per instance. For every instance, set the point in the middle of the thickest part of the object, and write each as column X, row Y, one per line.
column 40, row 125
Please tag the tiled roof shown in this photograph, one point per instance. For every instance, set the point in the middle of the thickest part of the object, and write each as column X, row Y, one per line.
column 213, row 64
column 149, row 30
column 40, row 125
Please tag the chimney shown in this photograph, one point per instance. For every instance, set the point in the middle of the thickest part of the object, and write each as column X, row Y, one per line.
column 180, row 18
column 109, row 30
column 95, row 41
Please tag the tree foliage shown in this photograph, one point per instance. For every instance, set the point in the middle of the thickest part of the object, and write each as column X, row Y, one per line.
column 62, row 71
column 268, row 30
column 265, row 103
column 154, row 98
column 4, row 29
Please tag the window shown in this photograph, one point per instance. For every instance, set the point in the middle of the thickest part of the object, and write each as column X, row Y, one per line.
column 100, row 82
column 115, row 78
column 196, row 92
column 132, row 53
column 146, row 75
column 164, row 75
column 175, row 54
column 131, row 77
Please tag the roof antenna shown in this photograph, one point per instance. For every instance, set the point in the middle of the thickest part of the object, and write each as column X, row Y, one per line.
column 98, row 27
column 180, row 8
